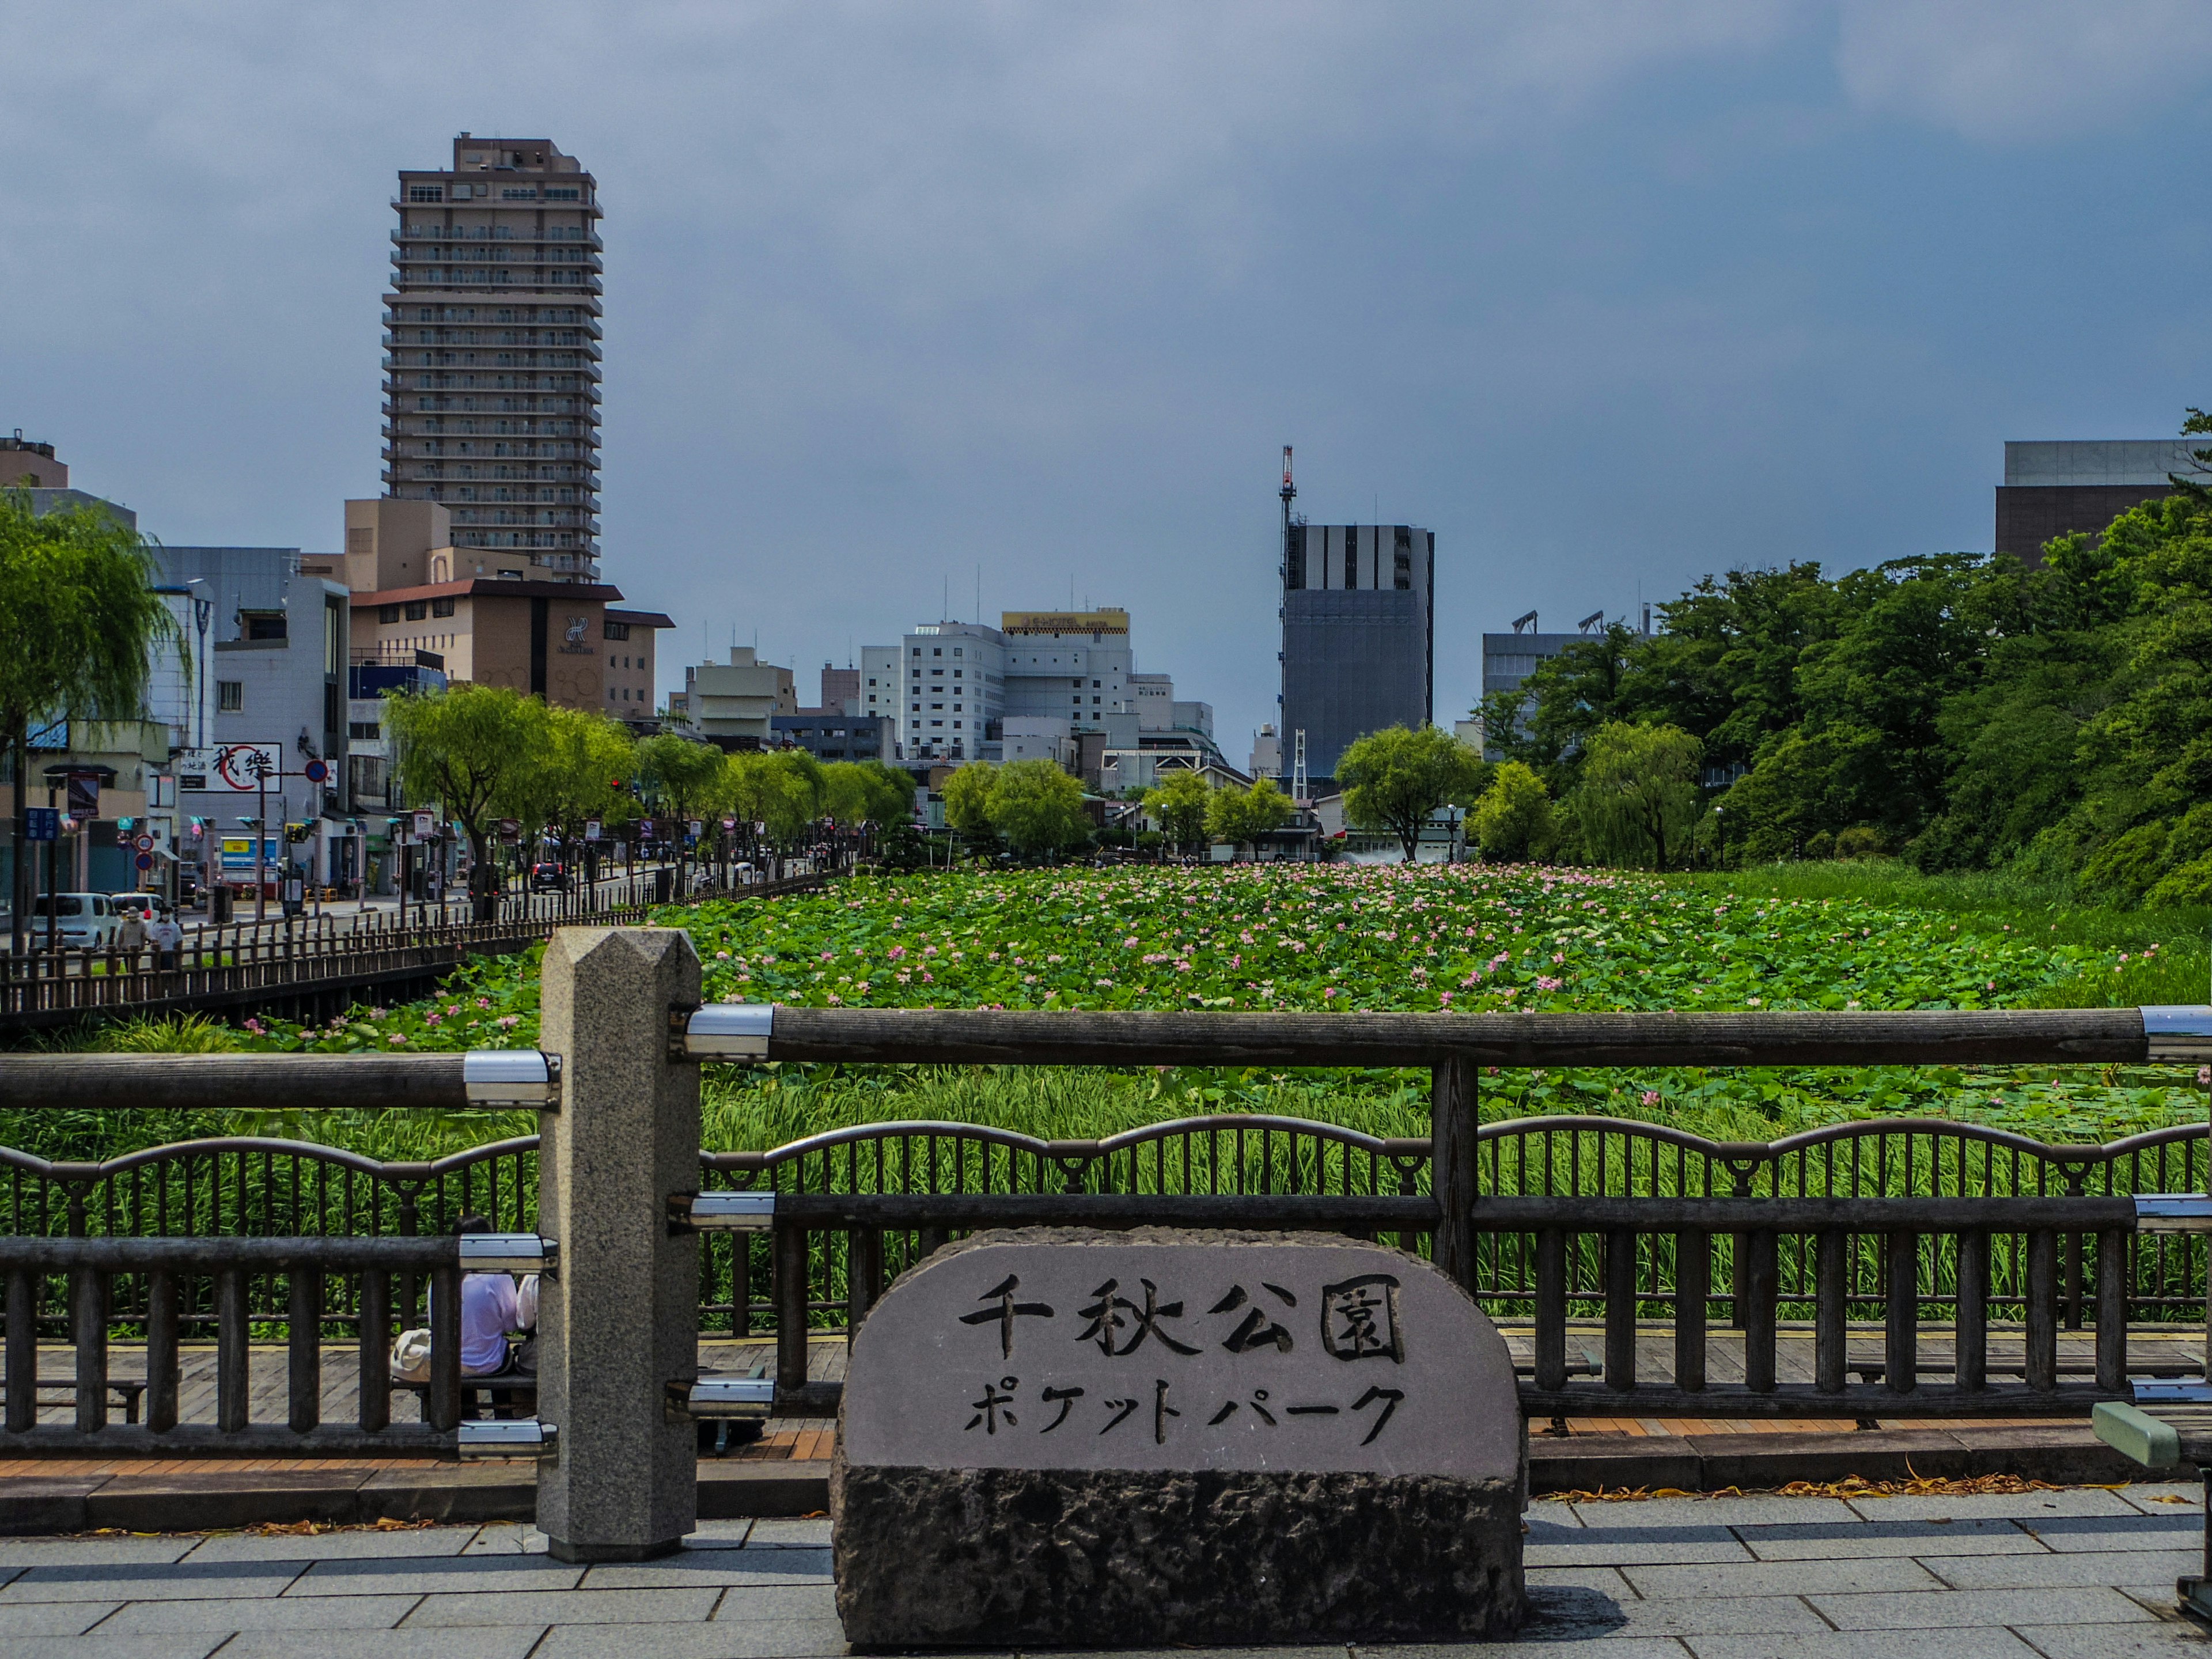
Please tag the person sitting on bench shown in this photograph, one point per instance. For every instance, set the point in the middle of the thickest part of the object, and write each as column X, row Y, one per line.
column 489, row 1309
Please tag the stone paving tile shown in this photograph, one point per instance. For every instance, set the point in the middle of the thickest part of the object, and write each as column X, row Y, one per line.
column 504, row 1538
column 315, row 1613
column 799, row 1602
column 1781, row 1578
column 724, row 1533
column 2114, row 1567
column 1869, row 1644
column 189, row 1646
column 2155, row 1497
column 781, row 1641
column 2159, row 1641
column 1861, row 1539
column 2067, row 1534
column 486, row 1642
column 1715, row 1511
column 2018, row 1506
column 715, row 1567
column 52, row 1618
column 583, row 1606
column 1575, row 1612
column 101, row 1551
column 1548, row 1545
column 1603, row 1647
column 1961, row 1609
column 336, row 1545
column 434, row 1576
column 149, row 1581
column 797, row 1532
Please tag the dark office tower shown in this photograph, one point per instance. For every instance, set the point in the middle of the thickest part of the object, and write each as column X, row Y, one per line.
column 1358, row 635
column 492, row 382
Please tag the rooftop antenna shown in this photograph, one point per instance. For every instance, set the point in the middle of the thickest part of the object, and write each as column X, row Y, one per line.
column 979, row 592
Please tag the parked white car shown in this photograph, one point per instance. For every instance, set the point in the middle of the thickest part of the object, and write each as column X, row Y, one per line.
column 83, row 920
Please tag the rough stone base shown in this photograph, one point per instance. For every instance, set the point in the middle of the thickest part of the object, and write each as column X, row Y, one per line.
column 1113, row 1559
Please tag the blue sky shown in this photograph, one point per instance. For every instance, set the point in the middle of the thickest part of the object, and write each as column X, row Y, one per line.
column 1607, row 295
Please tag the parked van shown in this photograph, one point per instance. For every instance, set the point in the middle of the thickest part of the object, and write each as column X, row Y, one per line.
column 81, row 921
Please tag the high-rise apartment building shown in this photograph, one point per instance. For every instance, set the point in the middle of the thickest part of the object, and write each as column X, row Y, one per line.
column 491, row 386
column 1358, row 634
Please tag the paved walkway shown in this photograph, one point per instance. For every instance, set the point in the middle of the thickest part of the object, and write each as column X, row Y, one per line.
column 2083, row 1573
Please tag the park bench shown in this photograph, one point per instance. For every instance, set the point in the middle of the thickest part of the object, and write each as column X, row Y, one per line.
column 2169, row 1424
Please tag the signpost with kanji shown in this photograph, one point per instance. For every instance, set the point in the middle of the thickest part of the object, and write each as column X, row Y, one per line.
column 1160, row 1438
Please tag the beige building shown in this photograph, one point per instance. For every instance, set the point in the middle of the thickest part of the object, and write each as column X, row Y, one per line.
column 730, row 704
column 491, row 386
column 489, row 616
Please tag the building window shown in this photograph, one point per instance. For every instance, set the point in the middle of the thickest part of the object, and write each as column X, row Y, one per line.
column 230, row 697
column 611, row 629
column 1294, row 558
column 441, row 607
column 1351, row 555
column 264, row 625
column 387, row 613
column 426, row 192
column 1401, row 560
column 364, row 731
column 417, row 610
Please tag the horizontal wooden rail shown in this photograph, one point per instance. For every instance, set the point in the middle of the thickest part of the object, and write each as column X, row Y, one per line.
column 121, row 1440
column 949, row 1210
column 2081, row 1214
column 211, row 1252
column 993, row 1037
column 1727, row 1400
column 1015, row 1038
column 108, row 1082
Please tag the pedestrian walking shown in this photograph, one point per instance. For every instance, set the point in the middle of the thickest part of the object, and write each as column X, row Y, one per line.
column 169, row 939
column 130, row 935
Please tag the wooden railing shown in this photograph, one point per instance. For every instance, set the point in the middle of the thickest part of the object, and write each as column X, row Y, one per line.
column 249, row 962
column 1918, row 1224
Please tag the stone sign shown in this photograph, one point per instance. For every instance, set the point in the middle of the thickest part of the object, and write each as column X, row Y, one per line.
column 1124, row 1437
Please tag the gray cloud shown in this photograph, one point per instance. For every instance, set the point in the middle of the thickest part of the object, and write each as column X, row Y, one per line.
column 1605, row 293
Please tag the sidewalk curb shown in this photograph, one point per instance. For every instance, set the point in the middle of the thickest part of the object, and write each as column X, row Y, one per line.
column 2064, row 1455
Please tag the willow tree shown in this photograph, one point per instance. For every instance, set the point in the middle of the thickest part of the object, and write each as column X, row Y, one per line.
column 476, row 750
column 82, row 623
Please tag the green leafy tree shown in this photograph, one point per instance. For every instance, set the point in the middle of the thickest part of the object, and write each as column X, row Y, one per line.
column 1513, row 817
column 1241, row 817
column 783, row 790
column 1037, row 807
column 475, row 750
column 968, row 799
column 866, row 791
column 1393, row 779
column 1638, row 796
column 1178, row 804
column 584, row 761
column 678, row 774
column 82, row 623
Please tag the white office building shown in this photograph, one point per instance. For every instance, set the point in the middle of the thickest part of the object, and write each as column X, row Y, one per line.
column 954, row 684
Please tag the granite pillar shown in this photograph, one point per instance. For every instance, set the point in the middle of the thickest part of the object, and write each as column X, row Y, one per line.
column 619, row 1321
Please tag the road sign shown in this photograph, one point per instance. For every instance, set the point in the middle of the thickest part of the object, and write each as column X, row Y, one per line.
column 510, row 829
column 244, row 768
column 316, row 771
column 144, row 860
column 591, row 829
column 42, row 824
column 143, row 843
column 426, row 825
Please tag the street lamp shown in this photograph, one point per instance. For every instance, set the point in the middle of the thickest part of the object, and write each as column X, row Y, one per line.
column 1720, row 835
